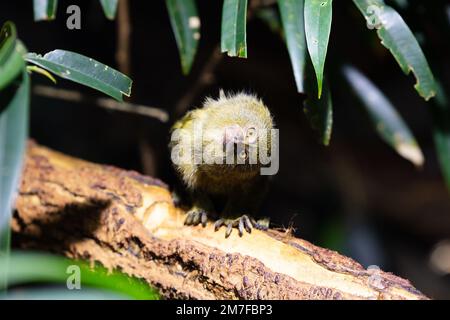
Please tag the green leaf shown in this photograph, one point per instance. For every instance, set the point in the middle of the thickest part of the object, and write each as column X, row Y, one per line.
column 11, row 69
column 14, row 108
column 28, row 267
column 11, row 52
column 388, row 123
column 293, row 25
column 318, row 15
column 8, row 38
column 84, row 70
column 396, row 36
column 440, row 111
column 109, row 8
column 319, row 112
column 234, row 24
column 185, row 23
column 44, row 9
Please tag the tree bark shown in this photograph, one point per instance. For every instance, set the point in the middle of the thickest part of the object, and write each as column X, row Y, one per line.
column 128, row 221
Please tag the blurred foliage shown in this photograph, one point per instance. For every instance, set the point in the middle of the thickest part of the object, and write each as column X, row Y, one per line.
column 388, row 123
column 14, row 114
column 39, row 268
column 14, row 101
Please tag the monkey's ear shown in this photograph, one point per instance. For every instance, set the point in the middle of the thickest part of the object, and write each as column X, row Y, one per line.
column 221, row 94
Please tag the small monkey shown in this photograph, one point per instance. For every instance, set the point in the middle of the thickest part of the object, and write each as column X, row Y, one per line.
column 215, row 150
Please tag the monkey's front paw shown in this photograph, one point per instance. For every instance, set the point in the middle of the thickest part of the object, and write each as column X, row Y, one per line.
column 240, row 223
column 195, row 216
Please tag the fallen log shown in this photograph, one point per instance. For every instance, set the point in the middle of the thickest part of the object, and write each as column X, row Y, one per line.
column 128, row 221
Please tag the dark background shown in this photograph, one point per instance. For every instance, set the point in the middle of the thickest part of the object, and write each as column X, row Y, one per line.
column 356, row 196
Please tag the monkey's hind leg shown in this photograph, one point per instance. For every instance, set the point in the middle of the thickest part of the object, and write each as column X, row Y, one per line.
column 198, row 214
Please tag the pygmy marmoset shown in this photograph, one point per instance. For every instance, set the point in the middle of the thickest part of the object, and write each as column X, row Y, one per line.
column 217, row 151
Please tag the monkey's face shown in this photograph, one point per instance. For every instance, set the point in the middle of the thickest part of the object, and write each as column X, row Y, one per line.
column 236, row 147
column 241, row 143
column 234, row 131
column 247, row 135
column 242, row 130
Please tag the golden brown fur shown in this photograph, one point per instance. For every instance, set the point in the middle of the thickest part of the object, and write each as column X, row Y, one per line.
column 241, row 183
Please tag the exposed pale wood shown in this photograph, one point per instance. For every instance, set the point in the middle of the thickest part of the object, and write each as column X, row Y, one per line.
column 128, row 221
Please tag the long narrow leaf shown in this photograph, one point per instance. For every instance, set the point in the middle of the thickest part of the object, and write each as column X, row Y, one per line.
column 13, row 134
column 84, row 70
column 293, row 25
column 109, row 8
column 396, row 36
column 234, row 24
column 185, row 23
column 8, row 38
column 318, row 16
column 388, row 123
column 44, row 9
column 11, row 60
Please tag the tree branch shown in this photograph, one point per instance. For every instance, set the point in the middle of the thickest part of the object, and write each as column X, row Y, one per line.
column 106, row 103
column 128, row 221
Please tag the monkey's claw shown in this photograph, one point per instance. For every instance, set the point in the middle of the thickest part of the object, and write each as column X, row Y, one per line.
column 240, row 223
column 195, row 217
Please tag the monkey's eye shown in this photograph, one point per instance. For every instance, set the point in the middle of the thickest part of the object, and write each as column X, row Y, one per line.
column 252, row 134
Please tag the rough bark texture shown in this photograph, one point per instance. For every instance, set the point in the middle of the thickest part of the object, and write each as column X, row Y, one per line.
column 128, row 221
